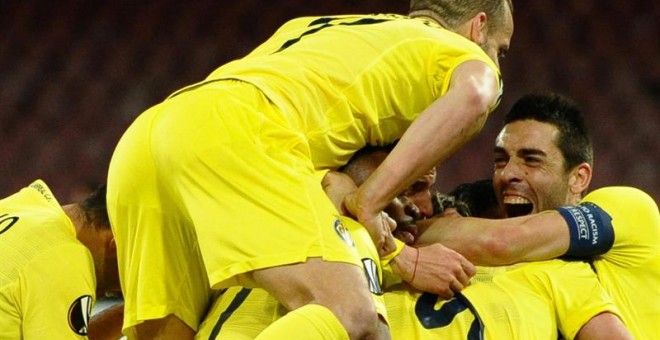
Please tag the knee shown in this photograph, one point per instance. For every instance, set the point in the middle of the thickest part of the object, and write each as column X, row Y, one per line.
column 360, row 322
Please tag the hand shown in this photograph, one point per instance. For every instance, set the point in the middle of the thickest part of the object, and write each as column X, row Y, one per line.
column 434, row 268
column 337, row 185
column 380, row 229
column 406, row 233
column 379, row 225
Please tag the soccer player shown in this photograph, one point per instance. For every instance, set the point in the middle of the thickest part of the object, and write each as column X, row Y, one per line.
column 531, row 302
column 528, row 301
column 218, row 185
column 543, row 158
column 55, row 261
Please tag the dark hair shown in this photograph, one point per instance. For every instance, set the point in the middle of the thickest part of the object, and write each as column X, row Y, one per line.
column 574, row 140
column 362, row 163
column 479, row 198
column 455, row 12
column 95, row 210
column 442, row 202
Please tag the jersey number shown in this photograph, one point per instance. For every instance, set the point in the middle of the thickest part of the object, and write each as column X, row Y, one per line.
column 429, row 317
column 7, row 222
column 326, row 22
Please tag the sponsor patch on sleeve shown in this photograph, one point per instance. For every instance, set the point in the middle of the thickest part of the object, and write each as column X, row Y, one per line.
column 79, row 314
column 343, row 233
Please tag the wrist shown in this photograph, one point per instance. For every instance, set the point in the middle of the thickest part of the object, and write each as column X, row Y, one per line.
column 366, row 208
column 404, row 264
column 387, row 259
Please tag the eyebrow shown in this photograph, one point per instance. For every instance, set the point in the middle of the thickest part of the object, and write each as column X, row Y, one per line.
column 523, row 151
column 531, row 152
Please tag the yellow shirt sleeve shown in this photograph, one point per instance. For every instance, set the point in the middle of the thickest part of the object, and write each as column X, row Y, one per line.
column 57, row 292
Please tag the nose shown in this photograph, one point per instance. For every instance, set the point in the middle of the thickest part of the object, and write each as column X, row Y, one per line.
column 412, row 210
column 511, row 172
column 397, row 211
column 420, row 204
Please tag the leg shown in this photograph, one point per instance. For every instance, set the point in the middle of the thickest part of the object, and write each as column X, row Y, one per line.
column 340, row 287
column 160, row 268
column 240, row 313
column 246, row 182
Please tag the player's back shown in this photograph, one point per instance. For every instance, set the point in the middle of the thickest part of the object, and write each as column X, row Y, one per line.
column 39, row 252
column 31, row 223
column 529, row 301
column 351, row 80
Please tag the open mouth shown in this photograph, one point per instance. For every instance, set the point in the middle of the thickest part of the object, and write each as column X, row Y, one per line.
column 515, row 210
column 517, row 206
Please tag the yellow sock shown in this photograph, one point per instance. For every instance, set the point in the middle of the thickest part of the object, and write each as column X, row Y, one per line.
column 307, row 322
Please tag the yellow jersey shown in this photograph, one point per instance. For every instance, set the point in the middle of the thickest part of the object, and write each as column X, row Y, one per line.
column 530, row 301
column 630, row 270
column 352, row 80
column 47, row 281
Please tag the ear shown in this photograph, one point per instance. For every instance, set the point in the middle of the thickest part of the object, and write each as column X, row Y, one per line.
column 110, row 242
column 580, row 178
column 479, row 28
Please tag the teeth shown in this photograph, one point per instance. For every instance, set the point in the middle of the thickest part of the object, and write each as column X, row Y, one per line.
column 516, row 200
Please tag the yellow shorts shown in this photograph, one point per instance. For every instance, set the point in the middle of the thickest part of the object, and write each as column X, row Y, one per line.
column 242, row 313
column 209, row 184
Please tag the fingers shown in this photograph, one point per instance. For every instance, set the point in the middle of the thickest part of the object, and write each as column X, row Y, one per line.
column 405, row 237
column 388, row 246
column 380, row 228
column 389, row 223
column 469, row 268
column 446, row 293
column 454, row 287
column 462, row 274
column 461, row 280
column 457, row 286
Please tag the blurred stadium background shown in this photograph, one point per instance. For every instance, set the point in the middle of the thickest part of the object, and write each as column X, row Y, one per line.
column 74, row 74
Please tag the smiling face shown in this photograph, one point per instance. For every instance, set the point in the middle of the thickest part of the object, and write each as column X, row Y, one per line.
column 529, row 169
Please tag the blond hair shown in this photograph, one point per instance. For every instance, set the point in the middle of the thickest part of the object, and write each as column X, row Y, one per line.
column 453, row 13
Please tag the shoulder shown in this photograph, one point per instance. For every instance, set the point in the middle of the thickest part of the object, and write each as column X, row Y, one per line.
column 635, row 220
column 62, row 257
column 37, row 199
column 625, row 201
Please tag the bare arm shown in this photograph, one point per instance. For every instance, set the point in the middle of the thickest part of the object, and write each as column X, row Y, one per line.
column 489, row 242
column 604, row 326
column 445, row 126
column 107, row 324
